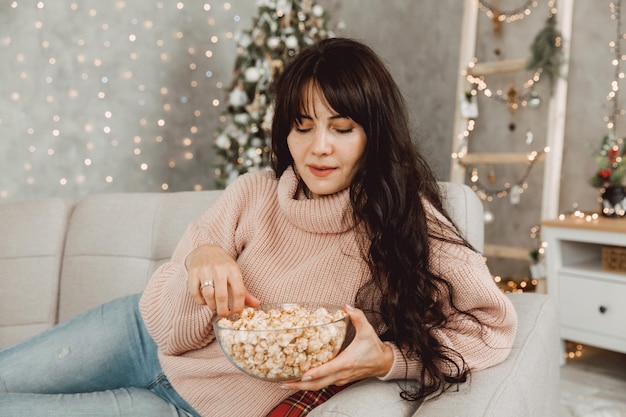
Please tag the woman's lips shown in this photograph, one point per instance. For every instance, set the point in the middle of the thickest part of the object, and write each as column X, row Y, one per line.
column 321, row 171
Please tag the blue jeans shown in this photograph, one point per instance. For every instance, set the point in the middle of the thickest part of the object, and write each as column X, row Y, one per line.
column 100, row 363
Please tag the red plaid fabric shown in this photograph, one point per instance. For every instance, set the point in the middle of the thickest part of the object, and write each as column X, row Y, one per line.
column 302, row 402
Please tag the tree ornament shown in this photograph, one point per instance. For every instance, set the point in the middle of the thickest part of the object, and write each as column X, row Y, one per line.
column 512, row 98
column 496, row 23
column 469, row 106
column 530, row 137
column 492, row 176
column 515, row 194
column 255, row 108
column 238, row 97
column 252, row 75
column 488, row 216
column 534, row 101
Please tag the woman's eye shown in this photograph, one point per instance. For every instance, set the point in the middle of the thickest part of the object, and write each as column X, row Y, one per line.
column 301, row 129
column 344, row 131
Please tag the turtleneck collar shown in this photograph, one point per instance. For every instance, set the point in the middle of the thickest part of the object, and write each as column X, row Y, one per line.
column 327, row 214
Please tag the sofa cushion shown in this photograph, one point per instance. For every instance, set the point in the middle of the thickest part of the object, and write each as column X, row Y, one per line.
column 116, row 241
column 31, row 246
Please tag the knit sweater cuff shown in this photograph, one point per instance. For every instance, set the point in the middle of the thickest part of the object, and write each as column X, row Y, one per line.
column 401, row 368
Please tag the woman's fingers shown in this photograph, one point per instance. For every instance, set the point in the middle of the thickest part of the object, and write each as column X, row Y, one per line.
column 194, row 289
column 220, row 299
column 240, row 297
column 366, row 356
column 221, row 289
column 214, row 279
column 207, row 289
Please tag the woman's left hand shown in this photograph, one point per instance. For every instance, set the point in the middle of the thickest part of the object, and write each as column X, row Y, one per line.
column 366, row 356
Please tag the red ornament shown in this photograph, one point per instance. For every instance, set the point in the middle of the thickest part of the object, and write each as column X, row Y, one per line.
column 604, row 173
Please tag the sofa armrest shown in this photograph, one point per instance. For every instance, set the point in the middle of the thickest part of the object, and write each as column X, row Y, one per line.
column 525, row 384
column 368, row 398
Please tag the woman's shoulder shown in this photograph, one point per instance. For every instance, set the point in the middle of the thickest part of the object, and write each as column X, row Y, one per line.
column 445, row 238
column 253, row 183
column 434, row 217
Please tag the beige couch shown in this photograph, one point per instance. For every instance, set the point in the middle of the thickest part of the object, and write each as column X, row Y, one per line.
column 59, row 258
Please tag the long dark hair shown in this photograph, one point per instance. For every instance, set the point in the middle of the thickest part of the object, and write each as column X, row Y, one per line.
column 385, row 197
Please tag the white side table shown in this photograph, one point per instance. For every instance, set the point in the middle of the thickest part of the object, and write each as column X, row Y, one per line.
column 591, row 300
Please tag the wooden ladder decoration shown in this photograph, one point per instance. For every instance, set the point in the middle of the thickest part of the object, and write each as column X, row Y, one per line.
column 555, row 125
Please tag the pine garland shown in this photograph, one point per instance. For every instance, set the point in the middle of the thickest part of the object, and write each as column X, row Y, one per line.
column 546, row 52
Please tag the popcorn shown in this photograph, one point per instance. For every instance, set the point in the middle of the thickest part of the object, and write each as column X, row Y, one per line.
column 283, row 342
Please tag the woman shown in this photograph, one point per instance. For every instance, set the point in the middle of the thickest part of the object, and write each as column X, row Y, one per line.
column 350, row 214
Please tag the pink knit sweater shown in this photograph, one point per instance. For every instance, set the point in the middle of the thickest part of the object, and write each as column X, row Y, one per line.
column 293, row 249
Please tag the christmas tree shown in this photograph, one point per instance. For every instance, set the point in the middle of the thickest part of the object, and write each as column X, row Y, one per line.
column 279, row 30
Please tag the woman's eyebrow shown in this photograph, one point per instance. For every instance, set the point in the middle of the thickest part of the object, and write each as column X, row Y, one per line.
column 338, row 116
column 301, row 116
column 334, row 117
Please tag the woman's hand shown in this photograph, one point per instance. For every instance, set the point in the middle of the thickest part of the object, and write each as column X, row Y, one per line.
column 214, row 278
column 366, row 356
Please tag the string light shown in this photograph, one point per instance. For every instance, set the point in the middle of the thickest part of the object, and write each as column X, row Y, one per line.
column 613, row 95
column 511, row 96
column 573, row 350
column 486, row 193
column 520, row 285
column 519, row 13
column 75, row 102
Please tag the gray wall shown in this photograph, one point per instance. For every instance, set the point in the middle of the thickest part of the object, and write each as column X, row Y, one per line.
column 94, row 91
column 90, row 93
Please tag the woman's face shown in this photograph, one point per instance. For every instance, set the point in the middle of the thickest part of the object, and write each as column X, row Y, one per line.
column 326, row 147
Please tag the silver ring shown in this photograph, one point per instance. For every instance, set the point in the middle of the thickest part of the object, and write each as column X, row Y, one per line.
column 207, row 283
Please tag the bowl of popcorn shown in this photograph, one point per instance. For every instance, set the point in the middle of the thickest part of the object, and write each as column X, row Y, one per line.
column 280, row 342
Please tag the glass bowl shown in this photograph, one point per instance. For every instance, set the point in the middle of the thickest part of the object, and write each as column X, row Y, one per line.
column 280, row 342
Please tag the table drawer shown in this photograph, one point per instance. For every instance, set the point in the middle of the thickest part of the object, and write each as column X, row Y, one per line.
column 592, row 305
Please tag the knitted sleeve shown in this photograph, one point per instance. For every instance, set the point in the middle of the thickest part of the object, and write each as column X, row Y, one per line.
column 482, row 343
column 175, row 321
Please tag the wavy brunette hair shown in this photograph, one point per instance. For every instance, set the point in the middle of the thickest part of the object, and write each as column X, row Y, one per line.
column 385, row 197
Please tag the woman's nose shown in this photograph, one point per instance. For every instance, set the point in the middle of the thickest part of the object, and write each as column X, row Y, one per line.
column 321, row 143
